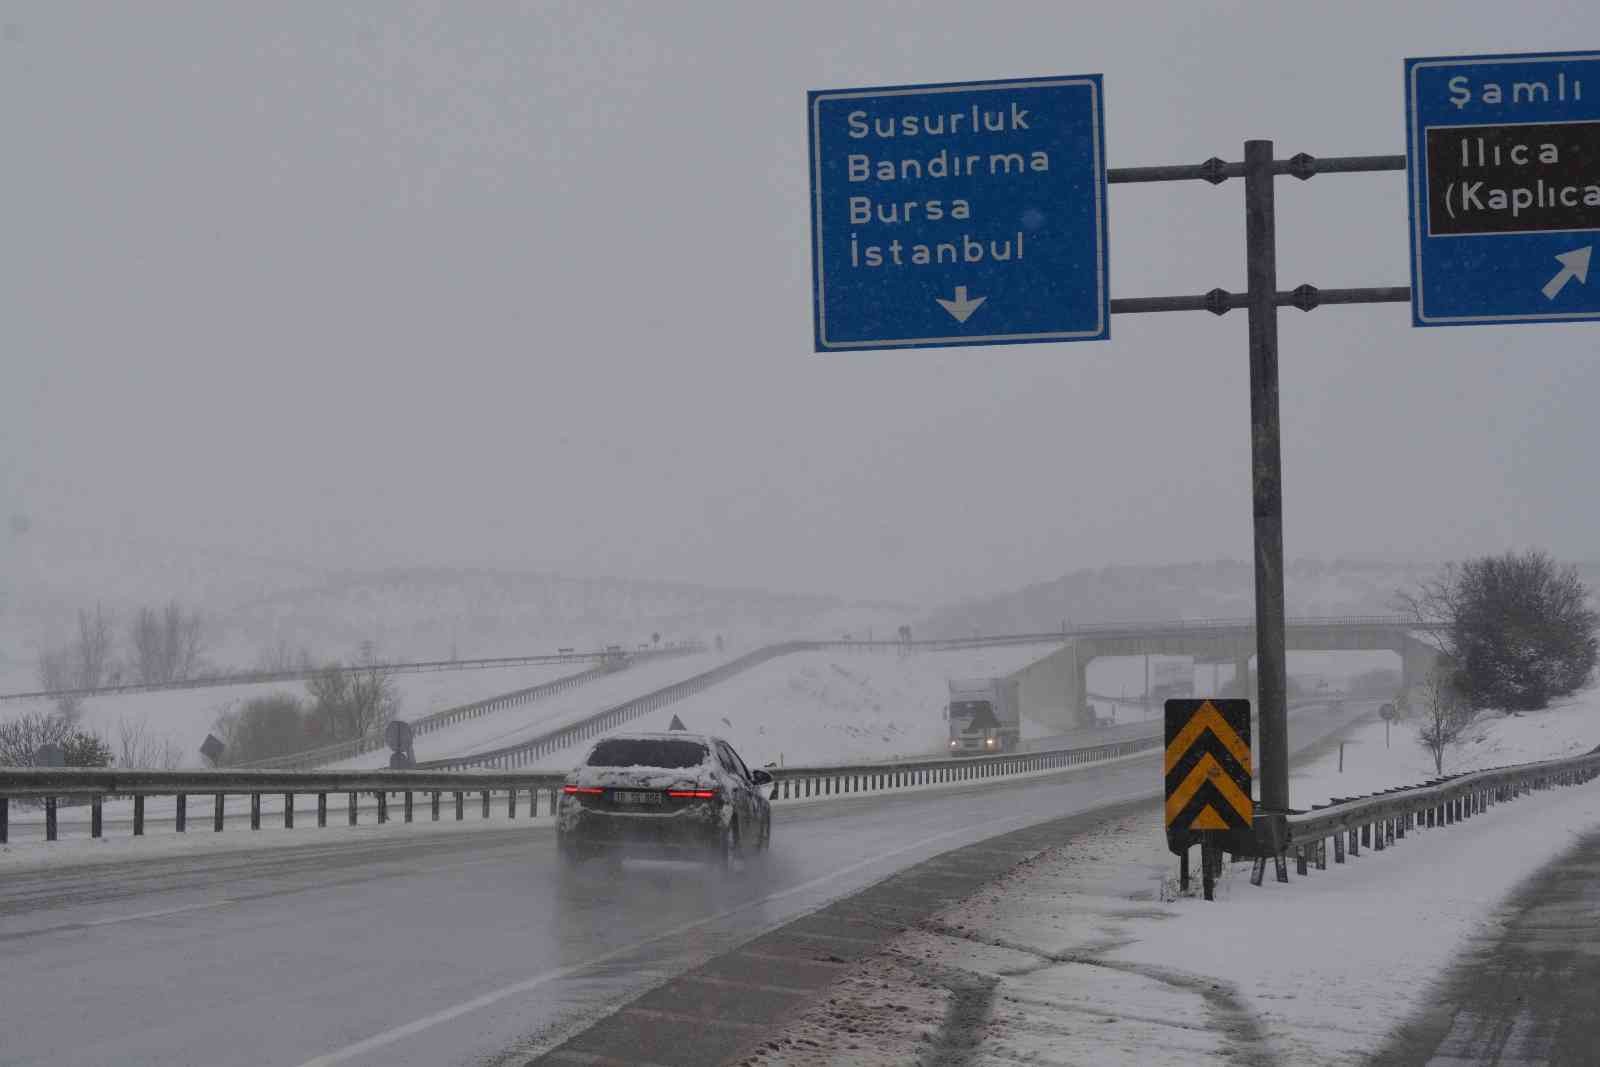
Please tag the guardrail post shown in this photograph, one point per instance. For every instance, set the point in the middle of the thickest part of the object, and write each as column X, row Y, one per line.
column 138, row 815
column 435, row 805
column 1377, row 837
column 1300, row 860
column 5, row 820
column 485, row 803
column 182, row 820
column 383, row 806
column 1322, row 853
column 352, row 809
column 255, row 811
column 49, row 818
column 511, row 803
column 460, row 805
column 1338, row 847
column 1400, row 826
column 408, row 805
column 322, row 810
column 95, row 824
column 1281, row 865
column 1366, row 835
column 288, row 811
column 216, row 814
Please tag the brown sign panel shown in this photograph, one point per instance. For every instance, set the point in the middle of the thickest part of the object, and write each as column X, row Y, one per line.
column 1208, row 773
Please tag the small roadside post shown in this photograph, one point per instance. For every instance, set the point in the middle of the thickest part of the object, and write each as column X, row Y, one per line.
column 1208, row 777
column 1388, row 713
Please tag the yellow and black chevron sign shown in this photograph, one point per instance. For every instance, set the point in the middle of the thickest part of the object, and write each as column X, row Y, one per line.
column 1208, row 770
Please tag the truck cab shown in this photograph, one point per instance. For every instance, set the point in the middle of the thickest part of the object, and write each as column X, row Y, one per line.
column 983, row 717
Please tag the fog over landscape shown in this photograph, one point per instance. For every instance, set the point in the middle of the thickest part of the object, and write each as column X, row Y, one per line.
column 480, row 583
column 303, row 290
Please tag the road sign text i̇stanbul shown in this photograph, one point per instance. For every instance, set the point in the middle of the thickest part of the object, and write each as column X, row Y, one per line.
column 959, row 214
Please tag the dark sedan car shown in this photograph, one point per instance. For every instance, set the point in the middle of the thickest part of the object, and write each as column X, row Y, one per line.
column 673, row 795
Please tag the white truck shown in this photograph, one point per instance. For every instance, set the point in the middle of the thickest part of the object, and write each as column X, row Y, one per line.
column 985, row 716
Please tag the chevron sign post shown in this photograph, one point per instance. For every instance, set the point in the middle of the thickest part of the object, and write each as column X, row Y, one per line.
column 1208, row 772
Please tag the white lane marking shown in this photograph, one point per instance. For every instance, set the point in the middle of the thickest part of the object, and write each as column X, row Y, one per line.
column 158, row 913
column 389, row 1037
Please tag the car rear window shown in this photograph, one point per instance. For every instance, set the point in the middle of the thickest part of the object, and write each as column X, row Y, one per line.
column 639, row 752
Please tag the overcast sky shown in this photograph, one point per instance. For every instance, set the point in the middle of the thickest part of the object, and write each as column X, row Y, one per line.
column 529, row 285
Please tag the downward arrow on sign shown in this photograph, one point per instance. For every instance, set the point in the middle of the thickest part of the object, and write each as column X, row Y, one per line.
column 961, row 308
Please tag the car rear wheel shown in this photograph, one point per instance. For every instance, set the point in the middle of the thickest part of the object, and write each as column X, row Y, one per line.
column 728, row 846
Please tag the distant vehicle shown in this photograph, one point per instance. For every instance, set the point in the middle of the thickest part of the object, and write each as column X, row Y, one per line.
column 985, row 716
column 672, row 795
column 1171, row 679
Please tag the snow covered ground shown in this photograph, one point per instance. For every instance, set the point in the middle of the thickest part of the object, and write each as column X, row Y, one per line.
column 511, row 725
column 838, row 706
column 1087, row 954
column 185, row 716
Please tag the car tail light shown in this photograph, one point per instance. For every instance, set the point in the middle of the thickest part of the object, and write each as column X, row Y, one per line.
column 586, row 790
column 692, row 794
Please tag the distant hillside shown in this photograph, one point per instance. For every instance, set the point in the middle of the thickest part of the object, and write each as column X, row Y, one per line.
column 1223, row 589
column 251, row 604
column 427, row 611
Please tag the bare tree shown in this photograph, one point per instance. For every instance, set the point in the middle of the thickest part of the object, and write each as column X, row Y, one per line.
column 58, row 674
column 282, row 658
column 166, row 644
column 1444, row 714
column 137, row 747
column 93, row 650
column 271, row 725
column 350, row 704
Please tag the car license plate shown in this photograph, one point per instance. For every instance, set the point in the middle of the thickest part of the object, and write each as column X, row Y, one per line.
column 634, row 798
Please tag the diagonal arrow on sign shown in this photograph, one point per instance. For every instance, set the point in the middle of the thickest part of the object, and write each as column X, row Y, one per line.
column 1208, row 718
column 1574, row 265
column 1207, row 771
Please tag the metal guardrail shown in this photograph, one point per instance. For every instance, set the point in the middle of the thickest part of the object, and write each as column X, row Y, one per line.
column 50, row 785
column 301, row 674
column 1378, row 821
column 798, row 783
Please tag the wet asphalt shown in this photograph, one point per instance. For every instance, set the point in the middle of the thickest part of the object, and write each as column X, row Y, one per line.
column 1529, row 994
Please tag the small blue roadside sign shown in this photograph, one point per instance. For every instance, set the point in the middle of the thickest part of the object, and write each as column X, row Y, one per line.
column 1503, row 161
column 971, row 213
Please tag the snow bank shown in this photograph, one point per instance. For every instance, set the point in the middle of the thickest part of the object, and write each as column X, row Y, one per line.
column 1093, row 957
column 185, row 716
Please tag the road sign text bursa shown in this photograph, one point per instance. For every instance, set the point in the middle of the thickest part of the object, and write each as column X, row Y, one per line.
column 1503, row 161
column 959, row 214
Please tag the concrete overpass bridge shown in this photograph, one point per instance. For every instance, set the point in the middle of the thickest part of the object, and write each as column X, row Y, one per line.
column 1055, row 689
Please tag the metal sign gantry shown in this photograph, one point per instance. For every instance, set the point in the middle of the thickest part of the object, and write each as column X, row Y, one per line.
column 1440, row 294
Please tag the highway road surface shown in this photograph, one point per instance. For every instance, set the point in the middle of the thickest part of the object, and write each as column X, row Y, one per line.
column 1525, row 994
column 447, row 948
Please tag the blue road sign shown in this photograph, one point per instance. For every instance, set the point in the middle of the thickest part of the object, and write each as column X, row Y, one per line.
column 960, row 214
column 1503, row 158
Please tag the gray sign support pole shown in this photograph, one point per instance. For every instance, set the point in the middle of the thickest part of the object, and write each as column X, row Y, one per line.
column 1261, row 273
column 1261, row 301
